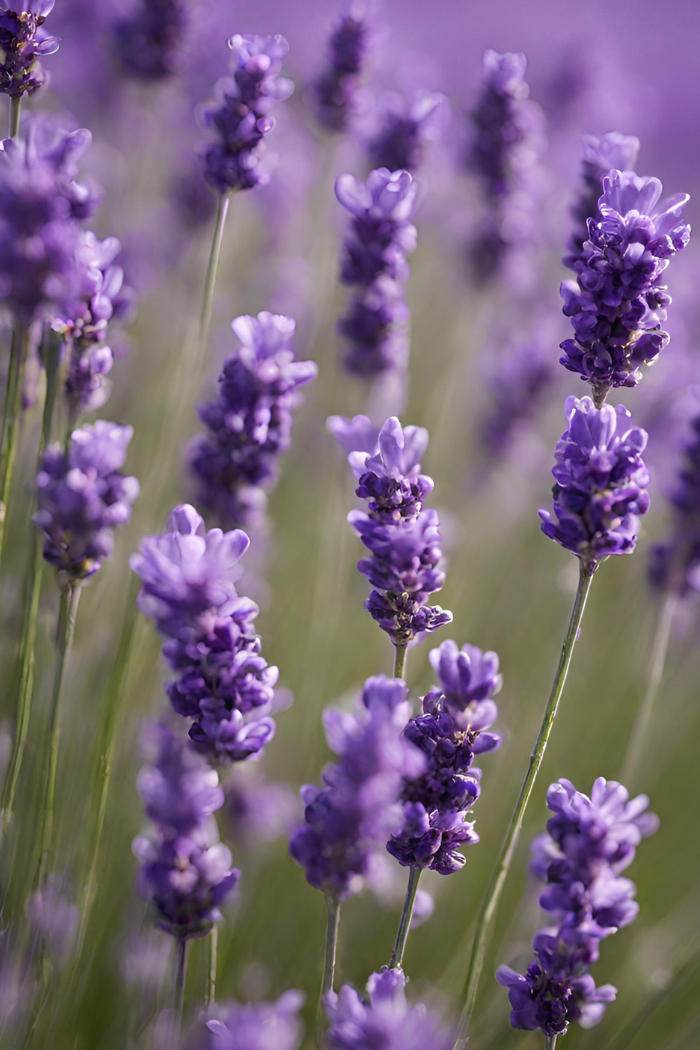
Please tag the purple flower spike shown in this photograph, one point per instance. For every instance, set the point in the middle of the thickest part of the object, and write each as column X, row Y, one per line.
column 617, row 303
column 406, row 128
column 675, row 563
column 222, row 683
column 148, row 43
column 383, row 1018
column 250, row 422
column 380, row 236
column 263, row 1026
column 185, row 871
column 589, row 841
column 23, row 41
column 239, row 118
column 601, row 480
column 83, row 497
column 335, row 89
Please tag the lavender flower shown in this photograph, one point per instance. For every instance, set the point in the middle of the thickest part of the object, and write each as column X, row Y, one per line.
column 601, row 481
column 355, row 811
column 23, row 41
column 264, row 1026
column 222, row 683
column 589, row 842
column 675, row 562
column 185, row 871
column 601, row 153
column 405, row 563
column 148, row 42
column 53, row 920
column 379, row 237
column 335, row 88
column 83, row 497
column 250, row 422
column 451, row 730
column 617, row 304
column 239, row 116
column 383, row 1019
column 405, row 128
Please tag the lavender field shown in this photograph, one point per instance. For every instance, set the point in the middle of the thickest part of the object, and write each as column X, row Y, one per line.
column 349, row 525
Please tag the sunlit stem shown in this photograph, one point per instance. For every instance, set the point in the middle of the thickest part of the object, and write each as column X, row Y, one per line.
column 212, row 270
column 15, row 112
column 180, row 980
column 10, row 419
column 406, row 915
column 399, row 660
column 212, row 947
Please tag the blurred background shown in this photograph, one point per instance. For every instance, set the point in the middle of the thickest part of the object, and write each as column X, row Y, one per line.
column 593, row 68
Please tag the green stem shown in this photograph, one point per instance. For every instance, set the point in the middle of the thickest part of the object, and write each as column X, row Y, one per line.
column 550, row 1041
column 489, row 907
column 15, row 110
column 333, row 923
column 212, row 269
column 180, row 979
column 10, row 420
column 399, row 660
column 70, row 596
column 414, row 875
column 31, row 603
column 212, row 946
column 659, row 652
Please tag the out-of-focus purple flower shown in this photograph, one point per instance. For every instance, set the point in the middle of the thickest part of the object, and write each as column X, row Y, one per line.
column 250, row 422
column 240, row 117
column 503, row 148
column 601, row 481
column 223, row 683
column 53, row 919
column 357, row 809
column 379, row 237
column 148, row 42
column 383, row 1019
column 83, row 497
column 23, row 42
column 617, row 304
column 405, row 566
column 335, row 88
column 601, row 153
column 256, row 811
column 589, row 841
column 185, row 871
column 405, row 129
column 675, row 562
column 358, row 434
column 263, row 1026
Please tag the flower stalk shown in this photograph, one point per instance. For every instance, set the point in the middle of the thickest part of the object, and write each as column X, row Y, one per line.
column 399, row 660
column 414, row 875
column 10, row 421
column 15, row 112
column 332, row 927
column 212, row 270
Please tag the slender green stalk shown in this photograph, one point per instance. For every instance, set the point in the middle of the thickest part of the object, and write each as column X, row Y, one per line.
column 212, row 269
column 640, row 730
column 70, row 596
column 550, row 1041
column 15, row 111
column 399, row 660
column 10, row 420
column 180, row 980
column 489, row 907
column 414, row 875
column 212, row 952
column 333, row 923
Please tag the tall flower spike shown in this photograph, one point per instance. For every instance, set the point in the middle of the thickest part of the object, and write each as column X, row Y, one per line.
column 23, row 42
column 380, row 236
column 451, row 730
column 406, row 128
column 222, row 683
column 675, row 562
column 617, row 303
column 600, row 155
column 250, row 422
column 239, row 118
column 83, row 497
column 185, row 871
column 405, row 563
column 148, row 42
column 263, row 1026
column 600, row 483
column 335, row 88
column 353, row 814
column 589, row 842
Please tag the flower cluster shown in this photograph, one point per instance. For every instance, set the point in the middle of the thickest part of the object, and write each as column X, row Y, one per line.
column 405, row 128
column 239, row 116
column 250, row 422
column 383, row 1019
column 405, row 563
column 504, row 146
column 23, row 42
column 675, row 563
column 589, row 842
column 451, row 730
column 148, row 42
column 379, row 237
column 357, row 809
column 185, row 871
column 617, row 304
column 601, row 153
column 223, row 682
column 601, row 481
column 335, row 89
column 263, row 1026
column 83, row 496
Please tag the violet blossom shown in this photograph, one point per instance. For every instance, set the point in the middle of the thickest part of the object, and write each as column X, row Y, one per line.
column 148, row 42
column 23, row 42
column 675, row 562
column 405, row 129
column 258, row 1026
column 335, row 88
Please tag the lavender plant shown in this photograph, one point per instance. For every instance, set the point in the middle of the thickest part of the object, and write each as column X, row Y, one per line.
column 148, row 42
column 23, row 42
column 405, row 129
column 335, row 88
